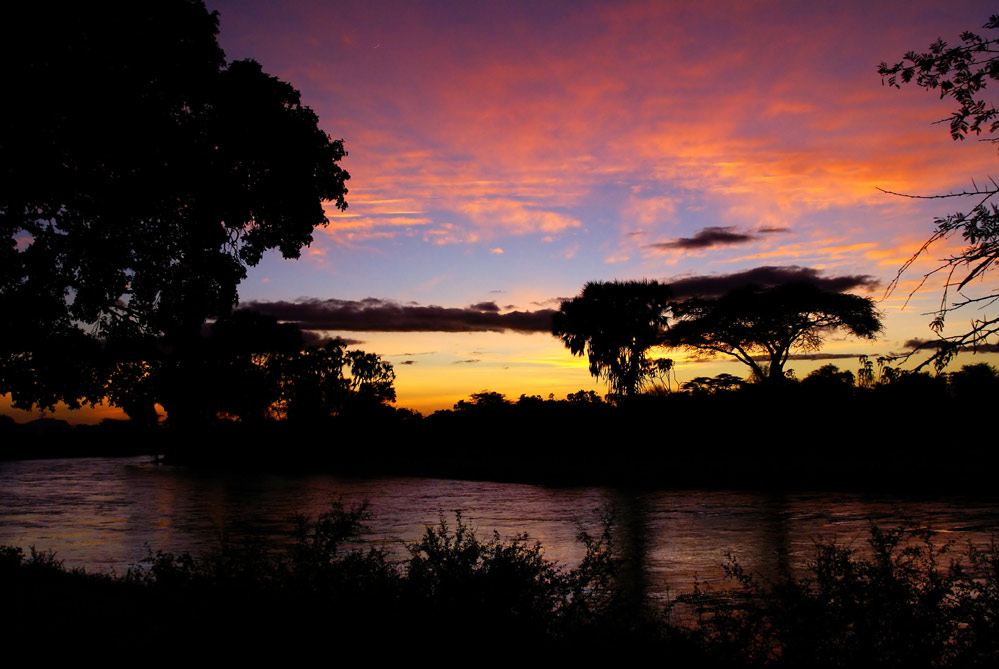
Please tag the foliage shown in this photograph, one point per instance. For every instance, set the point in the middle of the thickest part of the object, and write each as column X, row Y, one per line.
column 769, row 322
column 242, row 348
column 330, row 380
column 318, row 542
column 487, row 400
column 829, row 378
column 140, row 175
column 325, row 557
column 720, row 383
column 251, row 367
column 868, row 378
column 584, row 397
column 12, row 557
column 901, row 603
column 453, row 581
column 975, row 384
column 497, row 583
column 961, row 73
column 614, row 324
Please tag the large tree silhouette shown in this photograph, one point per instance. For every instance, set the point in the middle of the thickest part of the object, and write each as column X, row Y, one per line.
column 614, row 324
column 330, row 380
column 754, row 323
column 961, row 73
column 140, row 175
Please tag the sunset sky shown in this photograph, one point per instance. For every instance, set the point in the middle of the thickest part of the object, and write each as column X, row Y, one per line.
column 502, row 154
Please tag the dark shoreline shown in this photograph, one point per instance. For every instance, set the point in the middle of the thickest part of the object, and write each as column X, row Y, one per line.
column 761, row 442
column 901, row 607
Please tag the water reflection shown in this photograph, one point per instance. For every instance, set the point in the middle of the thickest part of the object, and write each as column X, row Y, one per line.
column 103, row 514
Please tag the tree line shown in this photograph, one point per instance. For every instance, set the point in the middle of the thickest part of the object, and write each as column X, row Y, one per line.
column 244, row 366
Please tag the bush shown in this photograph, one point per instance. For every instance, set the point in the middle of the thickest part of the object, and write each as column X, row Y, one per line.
column 477, row 590
column 906, row 604
column 901, row 602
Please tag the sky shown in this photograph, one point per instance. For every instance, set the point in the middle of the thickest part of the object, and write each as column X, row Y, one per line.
column 503, row 154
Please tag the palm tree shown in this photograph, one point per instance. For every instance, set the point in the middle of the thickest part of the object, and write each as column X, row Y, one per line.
column 614, row 324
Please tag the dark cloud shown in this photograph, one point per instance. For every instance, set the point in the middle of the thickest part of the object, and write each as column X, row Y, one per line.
column 819, row 356
column 934, row 344
column 550, row 301
column 465, row 362
column 315, row 339
column 486, row 306
column 406, row 362
column 772, row 229
column 376, row 315
column 766, row 277
column 923, row 343
column 792, row 356
column 709, row 237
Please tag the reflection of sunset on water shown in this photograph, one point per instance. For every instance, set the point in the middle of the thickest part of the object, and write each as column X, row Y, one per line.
column 105, row 514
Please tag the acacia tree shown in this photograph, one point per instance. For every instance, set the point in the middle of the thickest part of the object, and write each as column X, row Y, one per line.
column 961, row 73
column 140, row 175
column 760, row 327
column 615, row 324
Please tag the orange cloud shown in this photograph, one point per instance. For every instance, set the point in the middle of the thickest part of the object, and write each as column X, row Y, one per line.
column 515, row 217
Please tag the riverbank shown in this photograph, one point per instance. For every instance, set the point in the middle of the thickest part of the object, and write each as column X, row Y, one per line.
column 460, row 596
column 725, row 442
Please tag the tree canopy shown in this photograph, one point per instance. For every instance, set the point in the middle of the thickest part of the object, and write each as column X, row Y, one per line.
column 251, row 367
column 760, row 327
column 140, row 175
column 329, row 380
column 961, row 73
column 614, row 324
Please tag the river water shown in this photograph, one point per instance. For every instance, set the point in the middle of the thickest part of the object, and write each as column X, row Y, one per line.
column 106, row 514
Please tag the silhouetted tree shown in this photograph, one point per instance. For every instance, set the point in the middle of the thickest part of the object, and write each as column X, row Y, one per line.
column 584, row 397
column 140, row 175
column 65, row 366
column 231, row 372
column 831, row 374
column 532, row 402
column 829, row 379
column 371, row 379
column 703, row 385
column 486, row 400
column 976, row 384
column 244, row 379
column 329, row 380
column 134, row 377
column 869, row 379
column 752, row 323
column 614, row 324
column 961, row 73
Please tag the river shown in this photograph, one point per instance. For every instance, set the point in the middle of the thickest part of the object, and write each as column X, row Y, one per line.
column 106, row 514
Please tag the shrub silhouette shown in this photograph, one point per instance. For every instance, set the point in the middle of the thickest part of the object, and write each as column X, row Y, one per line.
column 901, row 602
column 906, row 604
